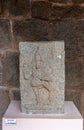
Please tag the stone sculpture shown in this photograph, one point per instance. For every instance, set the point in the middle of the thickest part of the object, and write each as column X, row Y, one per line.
column 42, row 77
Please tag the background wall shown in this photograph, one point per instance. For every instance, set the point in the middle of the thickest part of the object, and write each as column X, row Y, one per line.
column 34, row 20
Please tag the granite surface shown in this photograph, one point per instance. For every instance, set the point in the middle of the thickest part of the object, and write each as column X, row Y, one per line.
column 42, row 77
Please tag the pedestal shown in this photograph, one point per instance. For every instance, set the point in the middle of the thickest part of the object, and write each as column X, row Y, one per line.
column 14, row 119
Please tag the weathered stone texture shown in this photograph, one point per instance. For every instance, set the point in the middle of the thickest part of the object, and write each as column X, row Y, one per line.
column 47, row 10
column 0, row 7
column 41, row 9
column 70, row 31
column 4, row 33
column 75, row 12
column 10, row 63
column 66, row 12
column 78, row 1
column 74, row 74
column 19, row 7
column 68, row 1
column 59, row 12
column 3, row 4
column 42, row 77
column 30, row 30
column 4, row 101
column 59, row 1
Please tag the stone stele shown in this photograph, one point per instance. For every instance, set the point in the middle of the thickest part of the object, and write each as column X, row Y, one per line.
column 42, row 77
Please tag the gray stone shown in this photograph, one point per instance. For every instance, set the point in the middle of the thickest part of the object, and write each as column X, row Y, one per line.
column 42, row 77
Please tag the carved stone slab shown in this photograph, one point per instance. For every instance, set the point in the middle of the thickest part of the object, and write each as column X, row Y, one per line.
column 42, row 77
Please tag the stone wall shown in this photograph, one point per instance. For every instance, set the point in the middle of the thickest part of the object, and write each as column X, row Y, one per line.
column 45, row 20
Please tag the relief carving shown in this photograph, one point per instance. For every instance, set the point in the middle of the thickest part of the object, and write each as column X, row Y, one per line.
column 41, row 78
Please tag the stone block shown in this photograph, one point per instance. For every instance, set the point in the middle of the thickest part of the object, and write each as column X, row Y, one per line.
column 46, row 10
column 68, row 1
column 78, row 1
column 65, row 12
column 59, row 12
column 10, row 63
column 74, row 74
column 41, row 9
column 42, row 76
column 30, row 30
column 60, row 1
column 4, row 100
column 19, row 7
column 4, row 33
column 75, row 12
column 71, row 32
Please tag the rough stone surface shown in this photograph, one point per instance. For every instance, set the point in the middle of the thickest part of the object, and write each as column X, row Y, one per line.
column 30, row 30
column 41, row 9
column 0, row 8
column 71, row 32
column 42, row 77
column 59, row 12
column 47, row 10
column 3, row 5
column 68, row 1
column 59, row 1
column 78, row 1
column 74, row 74
column 19, row 7
column 4, row 33
column 4, row 101
column 10, row 63
column 75, row 12
column 65, row 12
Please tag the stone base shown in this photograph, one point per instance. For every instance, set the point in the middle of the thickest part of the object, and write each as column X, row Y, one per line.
column 14, row 119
